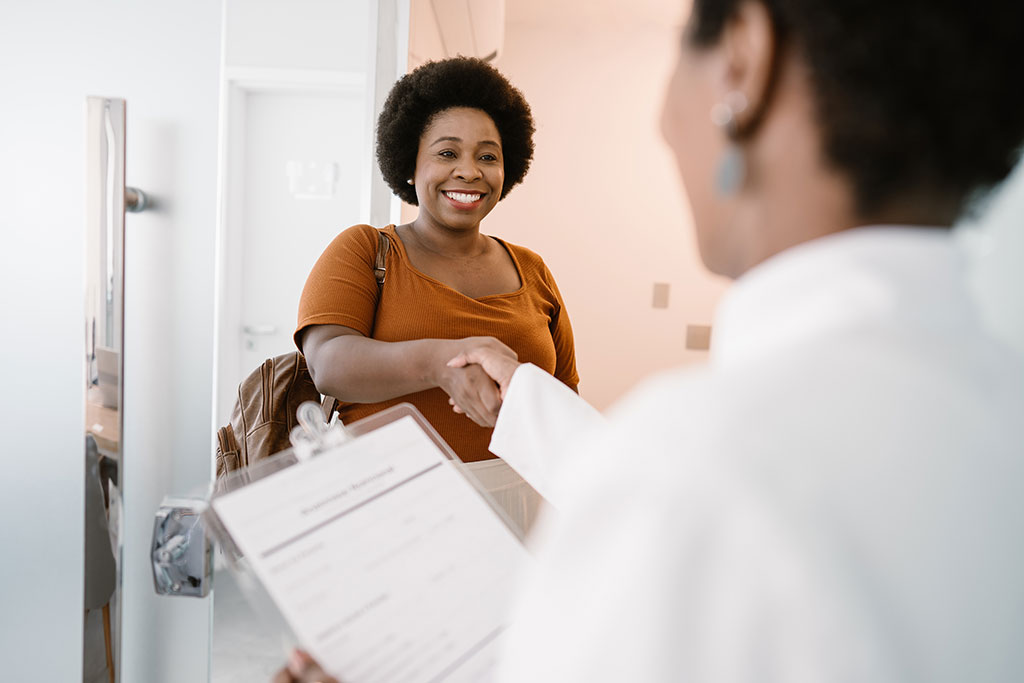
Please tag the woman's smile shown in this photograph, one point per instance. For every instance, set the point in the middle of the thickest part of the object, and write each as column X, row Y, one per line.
column 464, row 200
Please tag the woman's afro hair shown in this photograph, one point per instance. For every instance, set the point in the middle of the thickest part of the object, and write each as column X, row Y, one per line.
column 421, row 95
column 918, row 99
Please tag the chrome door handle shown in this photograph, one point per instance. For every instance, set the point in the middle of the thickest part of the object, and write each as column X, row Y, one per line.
column 181, row 552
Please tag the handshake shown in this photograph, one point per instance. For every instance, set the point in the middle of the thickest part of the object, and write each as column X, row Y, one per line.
column 477, row 378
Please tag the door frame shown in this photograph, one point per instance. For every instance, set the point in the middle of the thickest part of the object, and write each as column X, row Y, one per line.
column 238, row 84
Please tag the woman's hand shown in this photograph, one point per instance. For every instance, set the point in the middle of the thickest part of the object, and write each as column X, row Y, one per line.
column 302, row 669
column 468, row 386
column 497, row 360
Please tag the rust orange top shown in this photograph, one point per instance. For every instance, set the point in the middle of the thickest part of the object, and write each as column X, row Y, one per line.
column 342, row 290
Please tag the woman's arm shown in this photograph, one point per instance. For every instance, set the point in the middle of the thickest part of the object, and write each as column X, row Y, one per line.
column 355, row 369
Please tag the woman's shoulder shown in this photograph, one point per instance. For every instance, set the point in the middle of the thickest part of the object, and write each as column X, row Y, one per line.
column 363, row 232
column 520, row 251
column 358, row 238
column 528, row 259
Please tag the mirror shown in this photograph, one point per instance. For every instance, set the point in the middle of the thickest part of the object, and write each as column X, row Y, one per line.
column 104, row 341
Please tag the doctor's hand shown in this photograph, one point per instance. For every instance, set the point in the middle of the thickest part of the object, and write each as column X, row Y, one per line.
column 473, row 394
column 302, row 669
column 499, row 362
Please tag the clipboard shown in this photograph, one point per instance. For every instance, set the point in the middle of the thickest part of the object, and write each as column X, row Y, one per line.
column 381, row 555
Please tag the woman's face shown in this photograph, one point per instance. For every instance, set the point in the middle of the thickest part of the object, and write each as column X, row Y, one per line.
column 460, row 169
column 698, row 145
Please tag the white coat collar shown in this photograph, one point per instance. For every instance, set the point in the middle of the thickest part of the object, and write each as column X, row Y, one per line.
column 894, row 273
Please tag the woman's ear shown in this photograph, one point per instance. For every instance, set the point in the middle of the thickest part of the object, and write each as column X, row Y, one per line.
column 749, row 50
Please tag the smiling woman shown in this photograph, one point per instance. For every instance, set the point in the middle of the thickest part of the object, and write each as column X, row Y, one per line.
column 453, row 138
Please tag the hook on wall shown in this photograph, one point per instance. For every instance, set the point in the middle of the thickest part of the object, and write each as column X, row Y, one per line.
column 135, row 200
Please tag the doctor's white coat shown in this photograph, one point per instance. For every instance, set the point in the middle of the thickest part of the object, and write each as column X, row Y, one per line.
column 837, row 496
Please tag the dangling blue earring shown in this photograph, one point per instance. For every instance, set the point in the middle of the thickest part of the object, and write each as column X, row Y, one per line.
column 731, row 171
column 732, row 167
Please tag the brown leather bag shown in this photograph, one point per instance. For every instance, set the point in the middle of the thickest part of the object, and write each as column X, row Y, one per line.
column 265, row 411
column 269, row 398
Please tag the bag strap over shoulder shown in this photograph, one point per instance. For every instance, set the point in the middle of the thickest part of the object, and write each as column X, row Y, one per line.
column 380, row 265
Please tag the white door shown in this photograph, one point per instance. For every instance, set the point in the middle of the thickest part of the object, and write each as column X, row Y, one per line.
column 302, row 166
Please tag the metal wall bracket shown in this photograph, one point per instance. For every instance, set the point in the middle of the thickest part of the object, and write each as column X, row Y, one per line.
column 182, row 552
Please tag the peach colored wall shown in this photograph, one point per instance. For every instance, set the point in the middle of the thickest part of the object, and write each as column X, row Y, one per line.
column 602, row 203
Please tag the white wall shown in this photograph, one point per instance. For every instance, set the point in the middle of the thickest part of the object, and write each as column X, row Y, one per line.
column 164, row 59
column 297, row 34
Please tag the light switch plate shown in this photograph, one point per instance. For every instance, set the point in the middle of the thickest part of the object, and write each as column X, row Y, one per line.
column 698, row 337
column 660, row 298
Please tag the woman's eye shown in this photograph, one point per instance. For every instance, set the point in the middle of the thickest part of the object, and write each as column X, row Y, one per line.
column 448, row 154
column 488, row 157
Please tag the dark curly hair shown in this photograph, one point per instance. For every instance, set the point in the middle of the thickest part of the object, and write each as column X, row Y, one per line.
column 916, row 99
column 421, row 95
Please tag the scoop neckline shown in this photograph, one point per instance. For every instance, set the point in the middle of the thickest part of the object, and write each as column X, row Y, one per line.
column 515, row 262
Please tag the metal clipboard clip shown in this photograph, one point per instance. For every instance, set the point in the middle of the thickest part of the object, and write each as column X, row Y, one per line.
column 312, row 435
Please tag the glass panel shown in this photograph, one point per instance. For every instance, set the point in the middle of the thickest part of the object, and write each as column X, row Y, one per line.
column 104, row 318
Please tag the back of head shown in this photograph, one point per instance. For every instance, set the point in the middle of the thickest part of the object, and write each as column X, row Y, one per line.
column 917, row 100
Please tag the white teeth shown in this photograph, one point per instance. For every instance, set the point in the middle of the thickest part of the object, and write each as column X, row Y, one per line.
column 462, row 197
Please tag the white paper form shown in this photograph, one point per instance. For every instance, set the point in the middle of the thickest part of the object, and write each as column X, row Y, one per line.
column 385, row 561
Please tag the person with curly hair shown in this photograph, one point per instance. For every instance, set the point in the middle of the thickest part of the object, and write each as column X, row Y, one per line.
column 454, row 137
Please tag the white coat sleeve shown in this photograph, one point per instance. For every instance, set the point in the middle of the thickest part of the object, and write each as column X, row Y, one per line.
column 540, row 420
column 666, row 563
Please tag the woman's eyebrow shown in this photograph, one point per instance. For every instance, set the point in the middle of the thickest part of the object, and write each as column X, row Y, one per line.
column 452, row 138
column 447, row 138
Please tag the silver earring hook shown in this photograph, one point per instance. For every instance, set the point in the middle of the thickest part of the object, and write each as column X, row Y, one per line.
column 724, row 113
